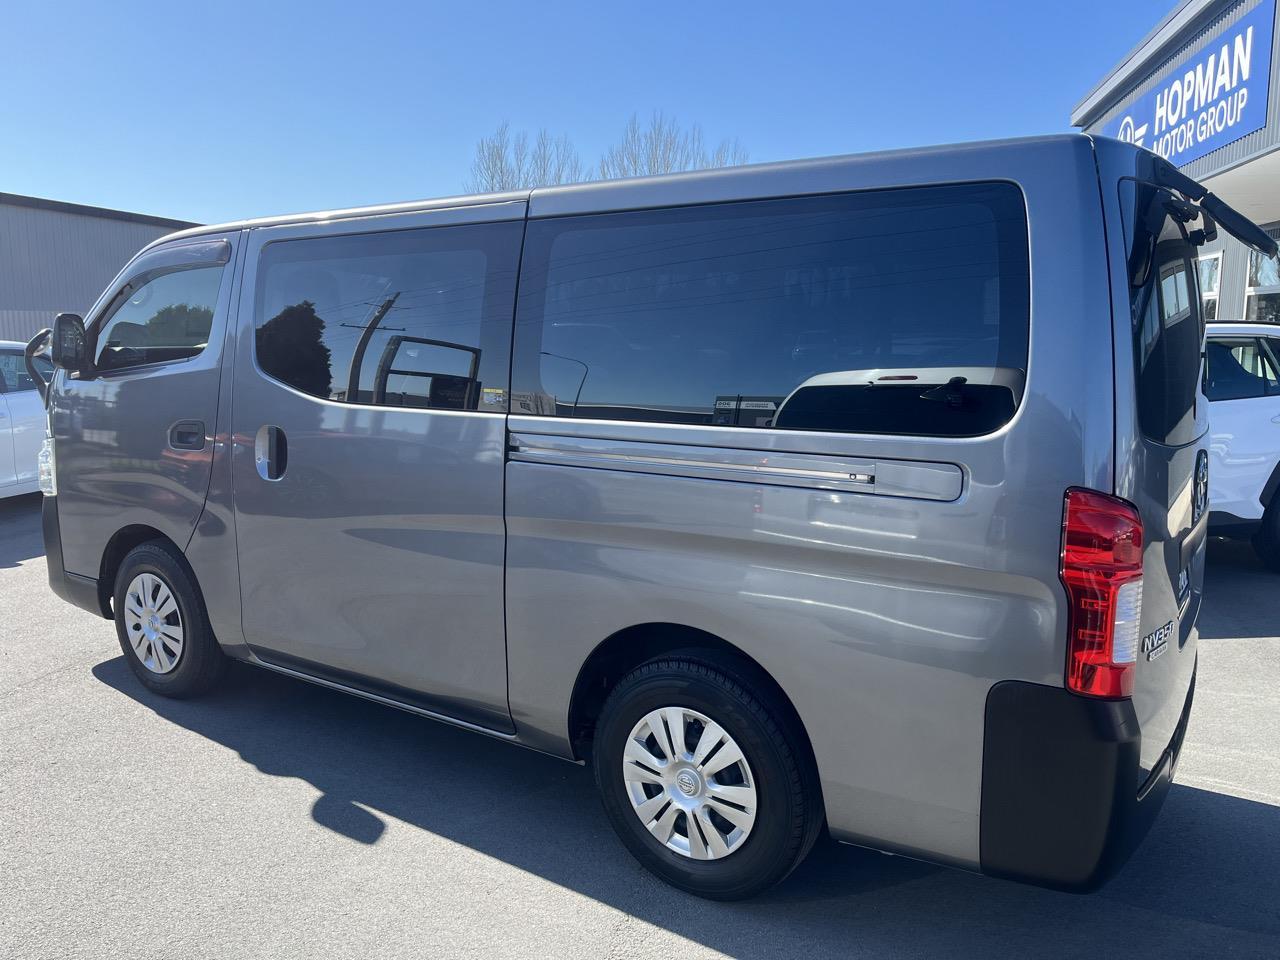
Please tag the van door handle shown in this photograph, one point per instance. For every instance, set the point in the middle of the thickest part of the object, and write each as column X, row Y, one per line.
column 270, row 452
column 187, row 435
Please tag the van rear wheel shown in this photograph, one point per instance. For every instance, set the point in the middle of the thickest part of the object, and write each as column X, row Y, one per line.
column 162, row 625
column 704, row 780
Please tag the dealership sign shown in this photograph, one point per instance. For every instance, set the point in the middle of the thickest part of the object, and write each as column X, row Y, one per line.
column 1215, row 96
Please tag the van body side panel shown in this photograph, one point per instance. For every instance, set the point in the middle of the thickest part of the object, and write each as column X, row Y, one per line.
column 885, row 619
column 116, row 465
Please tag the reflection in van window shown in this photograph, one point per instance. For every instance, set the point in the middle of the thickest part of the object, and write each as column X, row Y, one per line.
column 894, row 311
column 411, row 318
column 167, row 317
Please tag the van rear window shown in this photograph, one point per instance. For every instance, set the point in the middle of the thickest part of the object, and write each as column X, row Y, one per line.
column 899, row 311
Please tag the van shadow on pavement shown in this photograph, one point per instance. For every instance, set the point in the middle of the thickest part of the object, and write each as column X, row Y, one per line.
column 1207, row 879
column 1238, row 593
column 20, row 536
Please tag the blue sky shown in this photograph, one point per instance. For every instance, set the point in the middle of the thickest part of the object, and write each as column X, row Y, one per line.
column 219, row 110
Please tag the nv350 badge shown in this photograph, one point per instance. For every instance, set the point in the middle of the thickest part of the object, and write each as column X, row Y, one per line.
column 1157, row 642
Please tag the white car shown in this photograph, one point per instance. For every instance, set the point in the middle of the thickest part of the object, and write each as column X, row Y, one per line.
column 21, row 421
column 1242, row 383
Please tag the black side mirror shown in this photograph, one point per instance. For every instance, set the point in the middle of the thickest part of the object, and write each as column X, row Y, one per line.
column 68, row 349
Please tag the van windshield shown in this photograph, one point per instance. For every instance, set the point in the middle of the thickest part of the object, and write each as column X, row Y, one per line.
column 1167, row 323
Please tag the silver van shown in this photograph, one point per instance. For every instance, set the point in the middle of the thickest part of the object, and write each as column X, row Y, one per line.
column 861, row 495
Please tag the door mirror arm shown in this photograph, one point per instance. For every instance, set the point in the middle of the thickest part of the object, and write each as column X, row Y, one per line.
column 34, row 346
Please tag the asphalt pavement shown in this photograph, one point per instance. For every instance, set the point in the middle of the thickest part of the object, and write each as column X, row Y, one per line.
column 278, row 819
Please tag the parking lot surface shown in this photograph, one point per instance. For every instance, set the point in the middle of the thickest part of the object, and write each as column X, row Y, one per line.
column 279, row 819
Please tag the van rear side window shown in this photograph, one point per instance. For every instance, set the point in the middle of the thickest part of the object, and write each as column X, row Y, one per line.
column 901, row 311
column 1168, row 327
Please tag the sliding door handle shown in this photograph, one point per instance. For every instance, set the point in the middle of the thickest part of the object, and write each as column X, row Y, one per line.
column 271, row 452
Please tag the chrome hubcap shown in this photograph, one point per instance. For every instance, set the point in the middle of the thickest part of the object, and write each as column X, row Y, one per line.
column 689, row 783
column 153, row 623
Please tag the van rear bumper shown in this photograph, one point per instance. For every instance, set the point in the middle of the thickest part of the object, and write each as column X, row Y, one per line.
column 1063, row 804
column 71, row 587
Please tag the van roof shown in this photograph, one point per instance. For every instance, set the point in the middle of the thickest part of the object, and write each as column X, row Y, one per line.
column 599, row 195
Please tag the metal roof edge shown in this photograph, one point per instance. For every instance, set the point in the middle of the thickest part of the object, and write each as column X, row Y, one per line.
column 590, row 187
column 102, row 213
column 1184, row 19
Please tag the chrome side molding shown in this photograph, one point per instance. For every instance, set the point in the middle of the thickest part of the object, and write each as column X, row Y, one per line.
column 890, row 478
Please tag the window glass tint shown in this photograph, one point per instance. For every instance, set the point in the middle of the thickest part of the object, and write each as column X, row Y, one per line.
column 1238, row 370
column 1262, row 307
column 413, row 318
column 1210, row 268
column 164, row 317
column 13, row 371
column 1167, row 323
column 896, row 311
column 1262, row 290
column 1264, row 271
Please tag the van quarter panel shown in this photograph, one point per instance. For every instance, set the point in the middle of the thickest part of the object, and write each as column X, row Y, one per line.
column 1159, row 474
column 886, row 620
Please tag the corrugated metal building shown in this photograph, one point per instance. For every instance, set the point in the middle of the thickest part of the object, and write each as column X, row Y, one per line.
column 58, row 256
column 1201, row 90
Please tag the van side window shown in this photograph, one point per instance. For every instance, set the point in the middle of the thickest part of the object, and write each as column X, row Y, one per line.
column 899, row 311
column 411, row 318
column 165, row 317
column 1238, row 370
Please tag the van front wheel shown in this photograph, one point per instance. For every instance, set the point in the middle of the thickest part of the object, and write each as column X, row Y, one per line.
column 704, row 779
column 162, row 625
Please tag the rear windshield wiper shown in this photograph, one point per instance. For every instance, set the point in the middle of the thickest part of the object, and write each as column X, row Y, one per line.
column 952, row 393
column 1230, row 219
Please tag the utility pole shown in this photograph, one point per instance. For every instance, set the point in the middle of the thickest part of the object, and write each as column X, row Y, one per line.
column 357, row 358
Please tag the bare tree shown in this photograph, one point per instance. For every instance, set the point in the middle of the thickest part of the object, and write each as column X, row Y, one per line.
column 554, row 160
column 506, row 162
column 663, row 146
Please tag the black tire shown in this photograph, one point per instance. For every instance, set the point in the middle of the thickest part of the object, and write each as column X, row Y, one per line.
column 1266, row 541
column 789, row 814
column 200, row 662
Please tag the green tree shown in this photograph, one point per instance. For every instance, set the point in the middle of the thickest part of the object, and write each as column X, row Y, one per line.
column 291, row 348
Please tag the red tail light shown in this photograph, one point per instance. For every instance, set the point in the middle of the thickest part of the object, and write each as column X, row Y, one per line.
column 1102, row 571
